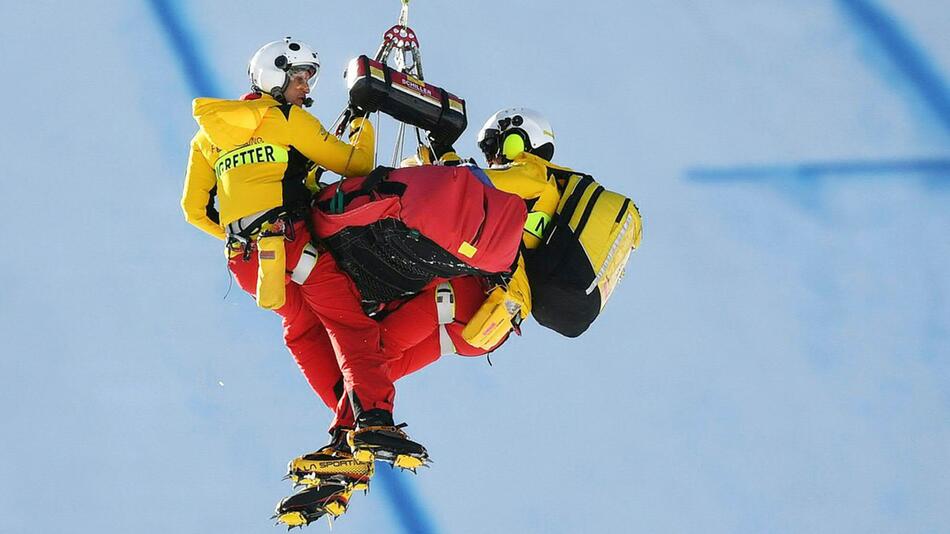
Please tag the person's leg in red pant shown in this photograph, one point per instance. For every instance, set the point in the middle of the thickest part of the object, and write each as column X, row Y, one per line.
column 411, row 334
column 356, row 341
column 421, row 336
column 304, row 333
column 326, row 330
column 416, row 330
column 355, row 337
column 308, row 341
column 334, row 343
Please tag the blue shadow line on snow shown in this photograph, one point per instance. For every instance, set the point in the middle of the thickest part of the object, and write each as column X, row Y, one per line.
column 936, row 168
column 196, row 69
column 411, row 515
column 909, row 58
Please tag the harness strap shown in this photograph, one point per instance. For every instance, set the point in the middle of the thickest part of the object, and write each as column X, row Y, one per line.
column 246, row 228
column 238, row 227
column 305, row 265
column 566, row 213
column 446, row 345
column 445, row 308
column 244, row 232
column 445, row 302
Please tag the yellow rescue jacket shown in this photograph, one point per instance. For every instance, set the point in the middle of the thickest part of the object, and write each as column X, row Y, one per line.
column 528, row 177
column 258, row 153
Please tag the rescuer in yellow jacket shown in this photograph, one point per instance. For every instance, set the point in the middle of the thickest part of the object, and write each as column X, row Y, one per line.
column 255, row 154
column 518, row 144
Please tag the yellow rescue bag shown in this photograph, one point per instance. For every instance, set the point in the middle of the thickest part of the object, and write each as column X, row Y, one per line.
column 505, row 307
column 271, row 272
column 577, row 266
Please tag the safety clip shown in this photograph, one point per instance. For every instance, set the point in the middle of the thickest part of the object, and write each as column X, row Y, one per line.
column 336, row 202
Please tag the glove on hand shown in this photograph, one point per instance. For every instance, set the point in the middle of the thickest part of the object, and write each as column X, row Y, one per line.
column 357, row 112
column 439, row 148
column 356, row 125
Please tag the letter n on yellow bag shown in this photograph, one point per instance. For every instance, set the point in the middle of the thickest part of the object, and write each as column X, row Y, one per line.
column 271, row 272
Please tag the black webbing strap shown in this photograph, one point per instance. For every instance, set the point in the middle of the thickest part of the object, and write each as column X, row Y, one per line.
column 271, row 216
column 244, row 238
column 623, row 209
column 561, row 175
column 373, row 181
column 587, row 211
column 570, row 206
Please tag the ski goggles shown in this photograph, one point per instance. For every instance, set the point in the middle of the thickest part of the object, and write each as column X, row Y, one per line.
column 491, row 144
column 303, row 74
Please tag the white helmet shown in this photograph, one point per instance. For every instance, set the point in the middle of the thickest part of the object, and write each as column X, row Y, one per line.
column 512, row 131
column 271, row 66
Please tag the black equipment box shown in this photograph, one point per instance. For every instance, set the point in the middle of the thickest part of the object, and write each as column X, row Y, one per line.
column 375, row 86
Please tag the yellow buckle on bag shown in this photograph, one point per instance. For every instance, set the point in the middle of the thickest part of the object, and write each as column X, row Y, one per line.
column 467, row 250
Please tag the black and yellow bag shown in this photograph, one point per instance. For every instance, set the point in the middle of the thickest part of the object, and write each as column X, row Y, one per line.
column 582, row 259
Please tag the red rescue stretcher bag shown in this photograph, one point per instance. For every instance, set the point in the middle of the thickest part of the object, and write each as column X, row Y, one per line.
column 396, row 230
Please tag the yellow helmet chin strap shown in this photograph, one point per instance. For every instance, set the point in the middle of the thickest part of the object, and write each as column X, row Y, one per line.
column 512, row 146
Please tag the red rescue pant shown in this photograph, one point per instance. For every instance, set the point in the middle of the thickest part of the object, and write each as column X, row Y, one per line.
column 330, row 296
column 341, row 351
column 410, row 334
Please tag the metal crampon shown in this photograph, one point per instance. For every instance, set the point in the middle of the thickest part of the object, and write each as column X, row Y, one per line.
column 387, row 444
column 310, row 504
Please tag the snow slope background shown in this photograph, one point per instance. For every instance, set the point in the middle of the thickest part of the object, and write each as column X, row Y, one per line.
column 777, row 359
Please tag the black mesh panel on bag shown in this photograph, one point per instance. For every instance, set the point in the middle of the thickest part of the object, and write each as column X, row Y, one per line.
column 388, row 261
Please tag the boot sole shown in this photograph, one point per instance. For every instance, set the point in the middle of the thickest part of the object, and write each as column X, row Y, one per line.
column 311, row 480
column 299, row 519
column 335, row 507
column 404, row 461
